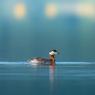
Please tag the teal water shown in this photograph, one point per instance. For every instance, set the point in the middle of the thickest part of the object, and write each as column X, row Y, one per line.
column 67, row 78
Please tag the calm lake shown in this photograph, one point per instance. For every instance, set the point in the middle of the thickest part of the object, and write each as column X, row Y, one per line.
column 65, row 78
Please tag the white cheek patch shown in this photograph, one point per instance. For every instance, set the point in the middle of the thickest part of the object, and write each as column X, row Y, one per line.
column 52, row 53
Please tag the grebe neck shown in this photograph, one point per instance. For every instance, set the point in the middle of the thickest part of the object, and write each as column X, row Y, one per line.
column 52, row 59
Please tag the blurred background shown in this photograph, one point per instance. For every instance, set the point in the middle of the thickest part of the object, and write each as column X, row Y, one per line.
column 30, row 28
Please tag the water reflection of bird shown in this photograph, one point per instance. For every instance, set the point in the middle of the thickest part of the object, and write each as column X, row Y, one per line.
column 40, row 60
column 52, row 78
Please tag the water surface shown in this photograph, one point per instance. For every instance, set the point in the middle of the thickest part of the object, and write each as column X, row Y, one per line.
column 20, row 78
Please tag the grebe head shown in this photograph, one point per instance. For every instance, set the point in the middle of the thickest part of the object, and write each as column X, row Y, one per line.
column 53, row 52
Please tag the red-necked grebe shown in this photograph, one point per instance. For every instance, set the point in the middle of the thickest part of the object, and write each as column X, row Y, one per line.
column 40, row 60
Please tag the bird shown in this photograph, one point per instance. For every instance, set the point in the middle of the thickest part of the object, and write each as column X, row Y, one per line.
column 44, row 61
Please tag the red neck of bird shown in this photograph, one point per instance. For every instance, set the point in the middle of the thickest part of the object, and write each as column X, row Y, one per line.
column 52, row 59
